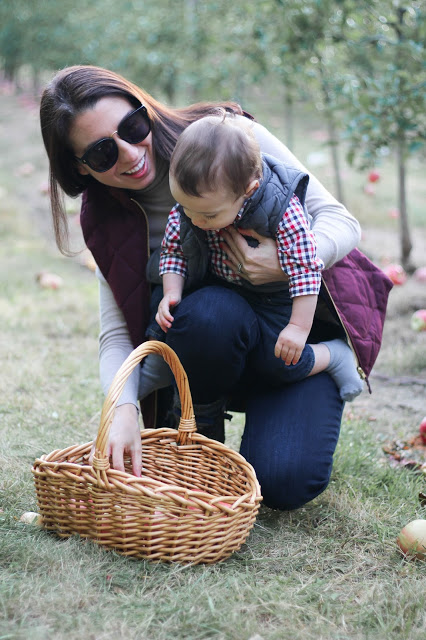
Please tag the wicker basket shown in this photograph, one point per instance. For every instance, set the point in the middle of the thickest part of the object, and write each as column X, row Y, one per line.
column 195, row 502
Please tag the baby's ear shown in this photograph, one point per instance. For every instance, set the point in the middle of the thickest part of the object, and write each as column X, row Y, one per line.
column 254, row 184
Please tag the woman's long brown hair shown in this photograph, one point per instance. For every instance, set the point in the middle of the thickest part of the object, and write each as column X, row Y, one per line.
column 75, row 89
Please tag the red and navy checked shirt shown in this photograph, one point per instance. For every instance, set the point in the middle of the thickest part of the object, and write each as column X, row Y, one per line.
column 295, row 242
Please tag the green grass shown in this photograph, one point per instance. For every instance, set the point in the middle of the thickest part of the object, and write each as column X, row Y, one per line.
column 329, row 571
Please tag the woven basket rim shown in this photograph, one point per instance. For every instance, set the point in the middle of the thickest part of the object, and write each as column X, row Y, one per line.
column 57, row 461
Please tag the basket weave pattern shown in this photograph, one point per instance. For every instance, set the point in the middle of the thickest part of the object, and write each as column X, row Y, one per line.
column 196, row 500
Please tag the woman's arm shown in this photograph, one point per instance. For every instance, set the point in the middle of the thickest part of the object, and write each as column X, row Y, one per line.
column 114, row 347
column 336, row 230
column 114, row 344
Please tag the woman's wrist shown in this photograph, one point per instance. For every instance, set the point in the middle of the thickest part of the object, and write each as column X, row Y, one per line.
column 127, row 409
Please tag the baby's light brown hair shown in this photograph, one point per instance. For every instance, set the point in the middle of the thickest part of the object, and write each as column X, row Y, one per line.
column 216, row 151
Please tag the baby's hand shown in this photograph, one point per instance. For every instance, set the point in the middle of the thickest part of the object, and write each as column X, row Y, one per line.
column 164, row 317
column 290, row 344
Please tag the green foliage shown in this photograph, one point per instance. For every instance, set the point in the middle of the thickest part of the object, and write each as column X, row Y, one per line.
column 387, row 93
column 360, row 63
column 340, row 54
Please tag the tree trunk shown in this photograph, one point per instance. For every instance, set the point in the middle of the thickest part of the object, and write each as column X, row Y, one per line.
column 333, row 139
column 170, row 86
column 191, row 27
column 334, row 147
column 404, row 229
column 289, row 121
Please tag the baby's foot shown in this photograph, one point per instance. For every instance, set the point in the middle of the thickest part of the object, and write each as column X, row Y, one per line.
column 343, row 370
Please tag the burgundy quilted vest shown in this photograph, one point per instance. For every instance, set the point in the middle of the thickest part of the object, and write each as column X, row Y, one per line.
column 360, row 293
column 116, row 232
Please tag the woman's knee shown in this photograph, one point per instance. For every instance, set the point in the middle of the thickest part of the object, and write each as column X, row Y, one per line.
column 295, row 485
column 290, row 438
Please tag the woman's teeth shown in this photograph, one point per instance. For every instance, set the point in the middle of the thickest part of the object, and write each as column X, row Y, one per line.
column 137, row 168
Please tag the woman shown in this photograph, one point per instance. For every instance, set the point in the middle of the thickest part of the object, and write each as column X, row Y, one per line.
column 110, row 140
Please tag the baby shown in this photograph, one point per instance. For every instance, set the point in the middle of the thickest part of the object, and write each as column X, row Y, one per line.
column 219, row 178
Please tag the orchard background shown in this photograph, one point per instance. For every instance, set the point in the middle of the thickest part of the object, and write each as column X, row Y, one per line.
column 343, row 84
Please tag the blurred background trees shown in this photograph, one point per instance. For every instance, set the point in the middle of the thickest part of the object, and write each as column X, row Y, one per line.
column 359, row 64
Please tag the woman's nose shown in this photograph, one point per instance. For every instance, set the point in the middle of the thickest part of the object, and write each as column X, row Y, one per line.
column 127, row 152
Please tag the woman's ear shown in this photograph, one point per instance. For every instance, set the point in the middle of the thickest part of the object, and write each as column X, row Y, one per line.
column 81, row 168
column 254, row 184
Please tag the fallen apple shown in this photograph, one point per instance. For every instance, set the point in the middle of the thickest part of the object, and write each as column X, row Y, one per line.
column 44, row 188
column 369, row 190
column 31, row 517
column 25, row 169
column 90, row 263
column 420, row 274
column 393, row 213
column 418, row 320
column 422, row 430
column 48, row 280
column 412, row 539
column 395, row 273
column 374, row 176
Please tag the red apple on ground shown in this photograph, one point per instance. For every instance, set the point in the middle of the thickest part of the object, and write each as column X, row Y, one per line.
column 422, row 430
column 395, row 273
column 48, row 280
column 44, row 187
column 25, row 169
column 374, row 176
column 420, row 274
column 412, row 539
column 393, row 213
column 418, row 320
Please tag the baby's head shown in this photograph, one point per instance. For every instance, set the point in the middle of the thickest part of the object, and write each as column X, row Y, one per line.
column 215, row 166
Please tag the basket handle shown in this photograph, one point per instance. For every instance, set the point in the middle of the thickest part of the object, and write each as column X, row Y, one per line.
column 187, row 423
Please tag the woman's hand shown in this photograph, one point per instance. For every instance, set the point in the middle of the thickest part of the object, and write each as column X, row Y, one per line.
column 259, row 265
column 124, row 438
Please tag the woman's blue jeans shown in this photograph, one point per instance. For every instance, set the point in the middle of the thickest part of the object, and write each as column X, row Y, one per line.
column 291, row 431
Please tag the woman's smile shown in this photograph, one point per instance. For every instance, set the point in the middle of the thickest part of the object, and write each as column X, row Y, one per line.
column 135, row 166
column 137, row 169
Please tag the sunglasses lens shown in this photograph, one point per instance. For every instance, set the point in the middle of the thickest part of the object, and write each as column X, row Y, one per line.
column 135, row 127
column 132, row 129
column 103, row 155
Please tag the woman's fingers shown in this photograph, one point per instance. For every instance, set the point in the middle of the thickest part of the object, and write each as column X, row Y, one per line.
column 137, row 461
column 235, row 247
column 258, row 265
column 118, row 457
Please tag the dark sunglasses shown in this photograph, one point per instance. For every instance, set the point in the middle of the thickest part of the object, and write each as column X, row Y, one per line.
column 103, row 154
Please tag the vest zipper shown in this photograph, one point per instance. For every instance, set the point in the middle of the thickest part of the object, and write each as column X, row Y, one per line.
column 147, row 224
column 359, row 369
column 148, row 253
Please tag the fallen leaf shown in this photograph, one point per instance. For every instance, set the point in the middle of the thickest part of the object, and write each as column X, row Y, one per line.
column 410, row 454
